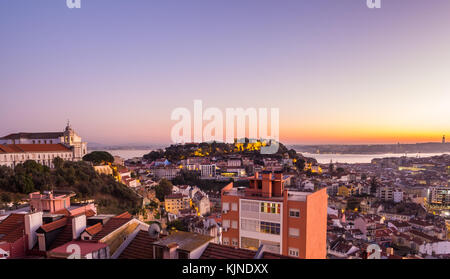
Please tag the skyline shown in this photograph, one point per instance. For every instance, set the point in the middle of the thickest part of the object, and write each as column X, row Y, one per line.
column 339, row 72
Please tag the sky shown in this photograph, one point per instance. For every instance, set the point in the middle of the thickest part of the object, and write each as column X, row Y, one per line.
column 339, row 72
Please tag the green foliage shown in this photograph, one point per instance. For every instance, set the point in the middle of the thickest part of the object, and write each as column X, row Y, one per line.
column 175, row 153
column 163, row 189
column 177, row 225
column 300, row 164
column 193, row 178
column 80, row 177
column 5, row 197
column 154, row 155
column 99, row 157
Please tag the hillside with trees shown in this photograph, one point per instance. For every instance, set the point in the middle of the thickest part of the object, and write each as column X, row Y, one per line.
column 79, row 177
column 177, row 152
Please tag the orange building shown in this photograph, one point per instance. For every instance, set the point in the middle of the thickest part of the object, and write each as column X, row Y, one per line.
column 287, row 222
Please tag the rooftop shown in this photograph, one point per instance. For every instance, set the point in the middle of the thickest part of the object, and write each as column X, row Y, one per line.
column 24, row 148
column 216, row 251
column 140, row 247
column 12, row 228
column 186, row 241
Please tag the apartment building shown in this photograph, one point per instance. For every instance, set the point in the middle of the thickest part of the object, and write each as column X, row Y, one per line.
column 387, row 193
column 175, row 202
column 287, row 222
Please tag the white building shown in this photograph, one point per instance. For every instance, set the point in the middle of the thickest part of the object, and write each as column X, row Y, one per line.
column 208, row 170
column 389, row 194
column 41, row 147
column 13, row 154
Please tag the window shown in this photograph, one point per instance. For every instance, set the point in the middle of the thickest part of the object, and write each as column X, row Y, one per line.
column 226, row 241
column 270, row 228
column 234, row 224
column 234, row 242
column 293, row 252
column 268, row 207
column 225, row 206
column 249, row 243
column 294, row 232
column 226, row 223
column 234, row 206
column 294, row 213
column 250, row 206
column 250, row 225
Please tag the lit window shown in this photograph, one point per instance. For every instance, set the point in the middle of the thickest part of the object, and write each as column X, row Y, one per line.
column 267, row 207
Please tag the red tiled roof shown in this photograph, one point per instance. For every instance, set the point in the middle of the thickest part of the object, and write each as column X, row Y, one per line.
column 21, row 148
column 124, row 215
column 110, row 226
column 93, row 230
column 64, row 236
column 64, row 211
column 90, row 213
column 54, row 225
column 270, row 256
column 216, row 251
column 12, row 228
column 173, row 196
column 140, row 247
column 49, row 135
column 86, row 247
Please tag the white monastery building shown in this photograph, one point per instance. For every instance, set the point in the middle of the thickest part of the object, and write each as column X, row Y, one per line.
column 41, row 147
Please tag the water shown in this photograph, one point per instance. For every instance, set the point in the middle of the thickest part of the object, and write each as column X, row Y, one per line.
column 321, row 158
column 360, row 158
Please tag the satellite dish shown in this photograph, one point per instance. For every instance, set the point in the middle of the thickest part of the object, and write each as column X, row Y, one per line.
column 154, row 230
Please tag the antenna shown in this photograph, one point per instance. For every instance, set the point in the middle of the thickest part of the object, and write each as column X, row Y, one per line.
column 154, row 230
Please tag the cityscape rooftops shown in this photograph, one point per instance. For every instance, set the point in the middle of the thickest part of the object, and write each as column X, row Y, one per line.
column 24, row 148
column 184, row 240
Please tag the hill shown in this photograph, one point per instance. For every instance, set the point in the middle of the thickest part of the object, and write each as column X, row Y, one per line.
column 79, row 177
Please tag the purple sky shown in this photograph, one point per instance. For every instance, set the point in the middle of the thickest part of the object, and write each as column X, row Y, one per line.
column 338, row 71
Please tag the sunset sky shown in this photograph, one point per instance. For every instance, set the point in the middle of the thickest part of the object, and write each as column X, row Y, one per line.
column 338, row 71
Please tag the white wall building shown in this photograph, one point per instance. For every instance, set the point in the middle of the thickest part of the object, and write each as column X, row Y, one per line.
column 41, row 147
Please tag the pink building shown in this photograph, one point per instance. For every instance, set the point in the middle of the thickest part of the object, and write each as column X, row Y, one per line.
column 49, row 202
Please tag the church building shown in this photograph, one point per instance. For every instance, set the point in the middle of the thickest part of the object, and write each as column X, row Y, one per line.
column 41, row 147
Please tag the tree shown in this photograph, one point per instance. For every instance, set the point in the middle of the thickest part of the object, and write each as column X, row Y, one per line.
column 99, row 157
column 163, row 189
column 300, row 164
column 58, row 162
column 5, row 198
column 373, row 185
column 177, row 225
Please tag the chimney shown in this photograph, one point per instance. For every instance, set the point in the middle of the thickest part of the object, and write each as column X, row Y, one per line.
column 32, row 222
column 78, row 225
